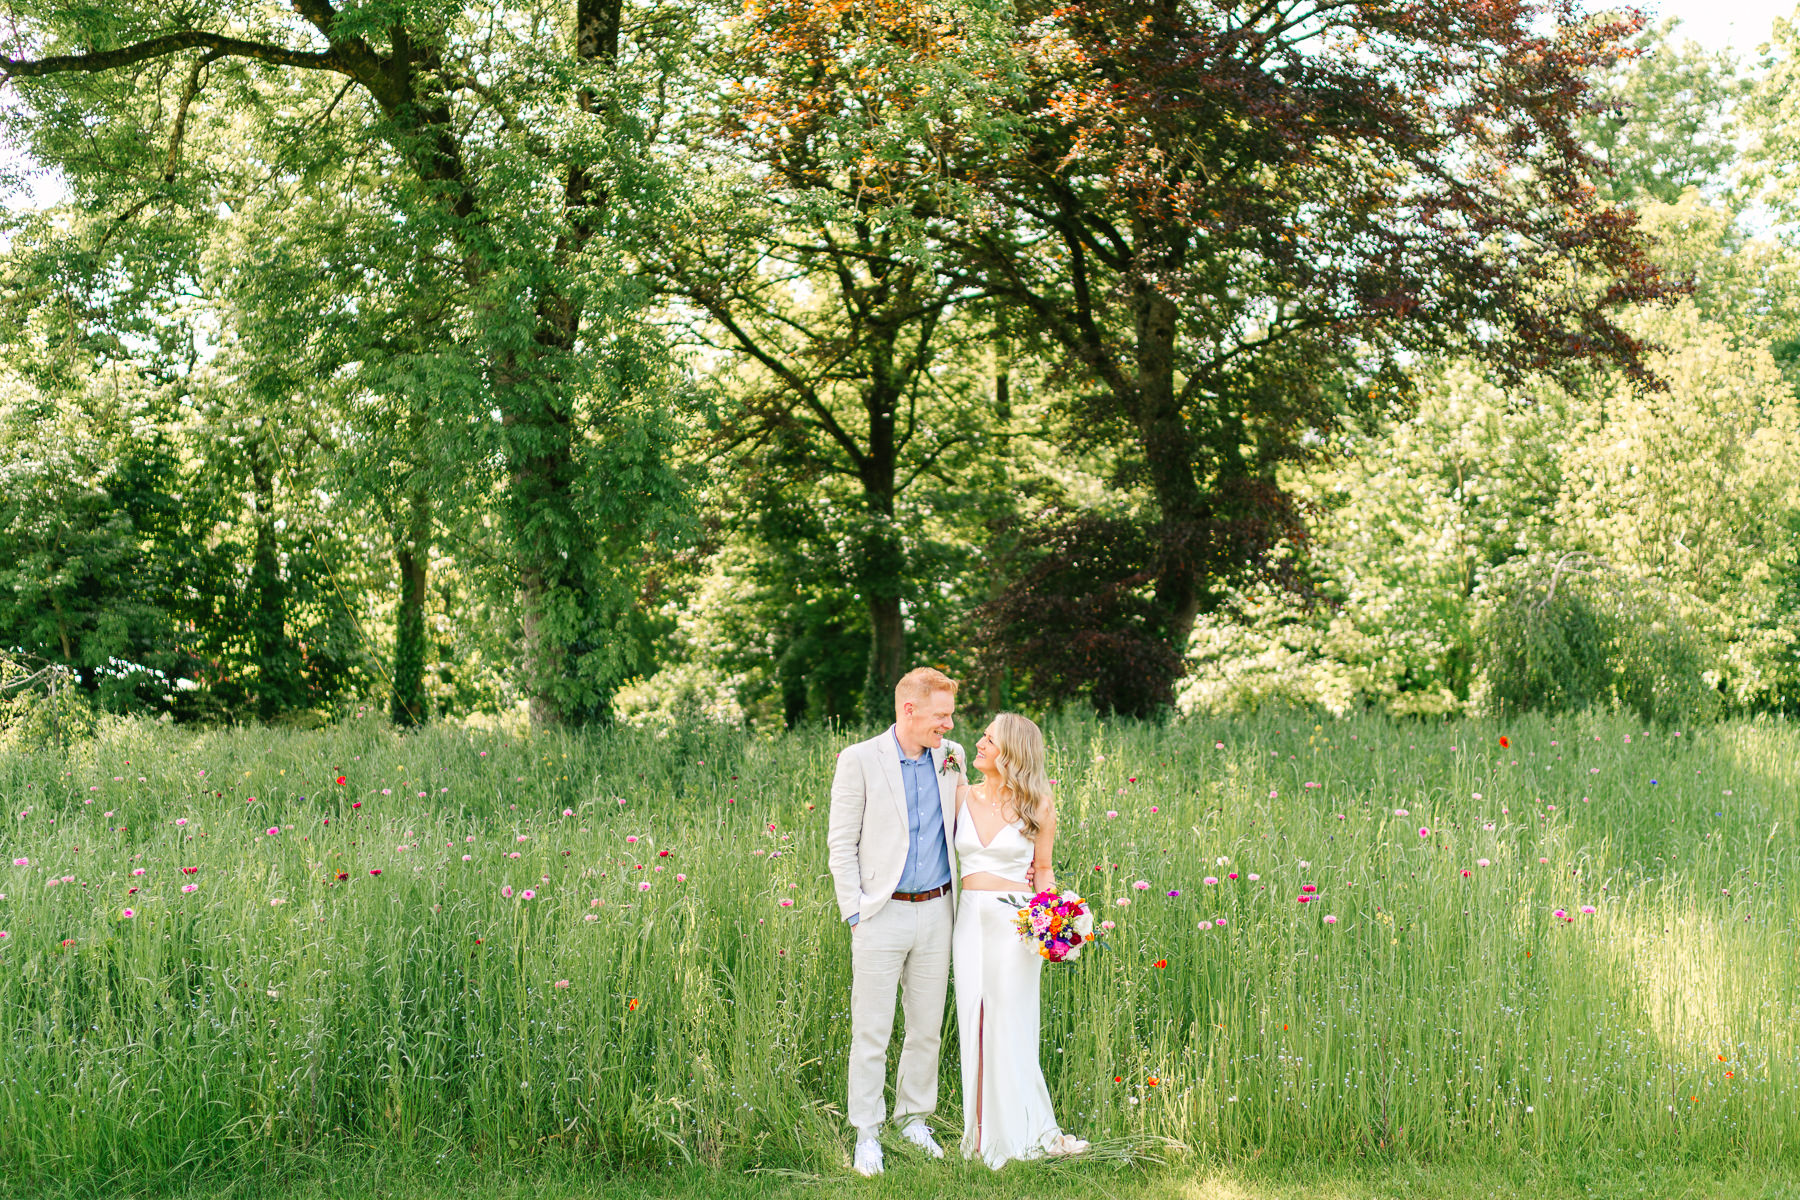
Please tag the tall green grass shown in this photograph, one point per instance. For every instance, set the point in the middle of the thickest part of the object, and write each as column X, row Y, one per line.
column 279, row 1009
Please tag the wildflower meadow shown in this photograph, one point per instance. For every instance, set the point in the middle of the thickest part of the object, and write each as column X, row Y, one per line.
column 1362, row 940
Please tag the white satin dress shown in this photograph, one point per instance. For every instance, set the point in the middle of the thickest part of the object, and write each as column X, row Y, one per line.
column 997, row 1007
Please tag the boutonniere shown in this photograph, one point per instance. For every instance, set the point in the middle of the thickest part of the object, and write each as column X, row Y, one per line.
column 950, row 763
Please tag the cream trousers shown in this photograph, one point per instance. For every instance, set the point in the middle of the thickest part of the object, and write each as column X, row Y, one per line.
column 904, row 947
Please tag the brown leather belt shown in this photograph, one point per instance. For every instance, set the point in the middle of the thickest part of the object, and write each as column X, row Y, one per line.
column 933, row 894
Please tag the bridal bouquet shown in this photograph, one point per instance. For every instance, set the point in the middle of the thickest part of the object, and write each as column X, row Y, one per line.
column 1060, row 923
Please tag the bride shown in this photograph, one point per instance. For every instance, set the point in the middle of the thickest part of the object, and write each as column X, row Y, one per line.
column 1003, row 828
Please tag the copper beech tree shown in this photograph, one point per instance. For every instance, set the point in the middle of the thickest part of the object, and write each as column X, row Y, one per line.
column 1231, row 215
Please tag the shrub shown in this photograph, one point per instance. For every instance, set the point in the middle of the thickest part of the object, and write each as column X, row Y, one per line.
column 1573, row 632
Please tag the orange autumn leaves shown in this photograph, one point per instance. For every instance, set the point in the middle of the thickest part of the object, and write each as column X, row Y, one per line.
column 830, row 84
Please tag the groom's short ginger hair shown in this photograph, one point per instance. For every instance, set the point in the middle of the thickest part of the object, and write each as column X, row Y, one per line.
column 919, row 683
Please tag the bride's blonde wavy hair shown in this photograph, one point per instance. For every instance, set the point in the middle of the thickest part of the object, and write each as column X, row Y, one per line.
column 1020, row 778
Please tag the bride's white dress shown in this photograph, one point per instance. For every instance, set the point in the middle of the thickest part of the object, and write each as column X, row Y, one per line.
column 997, row 1007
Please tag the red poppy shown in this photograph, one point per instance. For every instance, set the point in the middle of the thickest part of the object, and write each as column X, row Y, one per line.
column 632, row 1006
column 1118, row 1079
column 340, row 781
column 358, row 804
column 374, row 870
column 1161, row 963
column 1153, row 1081
column 1504, row 744
column 659, row 853
column 343, row 875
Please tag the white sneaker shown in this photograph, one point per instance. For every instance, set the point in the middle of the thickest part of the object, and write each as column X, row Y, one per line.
column 868, row 1157
column 919, row 1134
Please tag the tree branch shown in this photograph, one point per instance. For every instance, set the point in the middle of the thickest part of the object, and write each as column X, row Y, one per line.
column 181, row 112
column 162, row 47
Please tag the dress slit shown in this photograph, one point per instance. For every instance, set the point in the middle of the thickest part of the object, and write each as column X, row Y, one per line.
column 980, row 1066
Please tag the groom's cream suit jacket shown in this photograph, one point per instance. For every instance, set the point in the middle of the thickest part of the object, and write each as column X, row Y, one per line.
column 867, row 836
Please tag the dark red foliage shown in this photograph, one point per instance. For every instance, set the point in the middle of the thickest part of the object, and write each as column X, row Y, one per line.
column 1238, row 219
column 1080, row 623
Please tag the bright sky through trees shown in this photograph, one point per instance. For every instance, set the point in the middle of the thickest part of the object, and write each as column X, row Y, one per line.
column 1739, row 24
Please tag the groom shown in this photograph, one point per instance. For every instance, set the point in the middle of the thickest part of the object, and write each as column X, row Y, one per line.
column 893, row 861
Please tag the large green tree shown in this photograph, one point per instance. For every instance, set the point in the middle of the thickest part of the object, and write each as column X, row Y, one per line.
column 508, row 142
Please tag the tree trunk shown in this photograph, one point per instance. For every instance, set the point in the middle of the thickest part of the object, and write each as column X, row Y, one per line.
column 539, row 503
column 412, row 557
column 278, row 684
column 882, row 571
column 997, row 573
column 541, row 422
column 1169, row 455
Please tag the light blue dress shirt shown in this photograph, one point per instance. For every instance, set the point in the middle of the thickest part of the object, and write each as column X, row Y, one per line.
column 927, row 853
